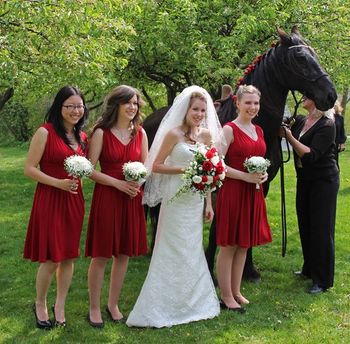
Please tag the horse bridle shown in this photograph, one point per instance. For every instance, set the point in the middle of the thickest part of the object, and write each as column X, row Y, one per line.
column 288, row 124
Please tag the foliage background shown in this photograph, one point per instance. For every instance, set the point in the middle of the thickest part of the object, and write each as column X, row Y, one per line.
column 159, row 46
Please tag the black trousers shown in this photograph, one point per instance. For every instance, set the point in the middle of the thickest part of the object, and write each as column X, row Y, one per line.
column 316, row 209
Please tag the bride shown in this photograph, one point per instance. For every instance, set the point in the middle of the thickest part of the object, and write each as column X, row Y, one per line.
column 178, row 288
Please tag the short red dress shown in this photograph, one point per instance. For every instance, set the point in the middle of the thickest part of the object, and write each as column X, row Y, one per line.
column 241, row 217
column 57, row 216
column 117, row 222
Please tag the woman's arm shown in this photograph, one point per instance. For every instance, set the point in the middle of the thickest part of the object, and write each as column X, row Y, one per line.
column 299, row 148
column 35, row 153
column 170, row 140
column 95, row 149
column 209, row 212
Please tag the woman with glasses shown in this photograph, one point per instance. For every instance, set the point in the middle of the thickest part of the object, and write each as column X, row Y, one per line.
column 56, row 219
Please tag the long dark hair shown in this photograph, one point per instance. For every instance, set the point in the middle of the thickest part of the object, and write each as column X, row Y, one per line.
column 119, row 95
column 54, row 114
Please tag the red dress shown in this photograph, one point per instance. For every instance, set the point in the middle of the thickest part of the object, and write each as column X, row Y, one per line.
column 117, row 222
column 57, row 216
column 241, row 217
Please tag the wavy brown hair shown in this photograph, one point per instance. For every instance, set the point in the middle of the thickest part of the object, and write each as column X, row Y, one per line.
column 120, row 95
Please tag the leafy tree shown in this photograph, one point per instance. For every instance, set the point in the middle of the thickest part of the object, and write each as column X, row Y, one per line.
column 47, row 44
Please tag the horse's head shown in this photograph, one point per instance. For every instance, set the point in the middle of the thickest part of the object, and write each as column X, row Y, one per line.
column 304, row 72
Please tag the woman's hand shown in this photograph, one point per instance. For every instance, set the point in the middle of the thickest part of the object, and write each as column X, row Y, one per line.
column 209, row 213
column 254, row 178
column 285, row 132
column 263, row 177
column 128, row 187
column 70, row 185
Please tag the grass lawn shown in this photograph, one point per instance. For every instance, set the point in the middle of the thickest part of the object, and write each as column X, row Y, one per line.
column 280, row 310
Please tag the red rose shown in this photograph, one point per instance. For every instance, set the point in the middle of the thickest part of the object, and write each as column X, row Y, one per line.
column 219, row 169
column 204, row 179
column 216, row 178
column 199, row 186
column 209, row 154
column 207, row 165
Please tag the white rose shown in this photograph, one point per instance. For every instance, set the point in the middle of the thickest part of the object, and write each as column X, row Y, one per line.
column 210, row 180
column 202, row 150
column 222, row 176
column 197, row 179
column 215, row 159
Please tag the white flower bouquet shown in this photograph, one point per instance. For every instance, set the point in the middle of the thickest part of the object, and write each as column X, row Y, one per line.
column 78, row 166
column 256, row 164
column 205, row 172
column 135, row 171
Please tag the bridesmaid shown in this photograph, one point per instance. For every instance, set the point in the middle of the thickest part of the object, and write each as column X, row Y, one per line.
column 117, row 226
column 241, row 219
column 58, row 209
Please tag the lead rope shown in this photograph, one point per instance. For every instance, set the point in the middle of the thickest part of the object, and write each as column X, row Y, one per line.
column 289, row 123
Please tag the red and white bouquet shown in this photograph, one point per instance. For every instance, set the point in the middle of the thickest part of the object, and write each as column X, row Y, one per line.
column 205, row 172
column 256, row 164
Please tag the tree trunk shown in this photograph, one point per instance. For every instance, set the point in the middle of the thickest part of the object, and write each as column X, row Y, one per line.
column 149, row 99
column 345, row 99
column 5, row 97
column 171, row 94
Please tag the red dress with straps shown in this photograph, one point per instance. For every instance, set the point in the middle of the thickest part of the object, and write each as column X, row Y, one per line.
column 57, row 216
column 117, row 222
column 241, row 217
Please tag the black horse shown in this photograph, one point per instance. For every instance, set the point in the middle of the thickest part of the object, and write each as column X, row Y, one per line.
column 291, row 64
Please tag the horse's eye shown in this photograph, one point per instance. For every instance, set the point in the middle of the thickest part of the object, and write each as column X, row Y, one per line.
column 300, row 55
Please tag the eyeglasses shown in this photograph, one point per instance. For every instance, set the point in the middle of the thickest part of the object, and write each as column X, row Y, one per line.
column 73, row 107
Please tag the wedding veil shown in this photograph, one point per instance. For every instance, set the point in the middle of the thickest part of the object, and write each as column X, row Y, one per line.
column 154, row 187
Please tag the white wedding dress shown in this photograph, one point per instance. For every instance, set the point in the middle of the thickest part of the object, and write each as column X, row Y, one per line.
column 178, row 288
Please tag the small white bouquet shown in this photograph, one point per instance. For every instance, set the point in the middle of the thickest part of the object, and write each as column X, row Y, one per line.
column 135, row 171
column 256, row 164
column 78, row 166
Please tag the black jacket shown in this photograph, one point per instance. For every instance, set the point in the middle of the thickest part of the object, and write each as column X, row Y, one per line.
column 320, row 162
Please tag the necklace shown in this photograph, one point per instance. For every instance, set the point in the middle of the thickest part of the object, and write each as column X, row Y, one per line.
column 123, row 134
column 191, row 136
column 309, row 123
column 250, row 129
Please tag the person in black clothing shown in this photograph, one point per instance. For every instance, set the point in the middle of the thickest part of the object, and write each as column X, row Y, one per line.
column 340, row 136
column 313, row 140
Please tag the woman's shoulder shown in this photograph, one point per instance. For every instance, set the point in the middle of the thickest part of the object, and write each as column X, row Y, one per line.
column 175, row 133
column 47, row 126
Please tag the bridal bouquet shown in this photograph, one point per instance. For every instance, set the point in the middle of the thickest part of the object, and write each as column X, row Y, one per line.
column 135, row 171
column 204, row 173
column 256, row 164
column 78, row 166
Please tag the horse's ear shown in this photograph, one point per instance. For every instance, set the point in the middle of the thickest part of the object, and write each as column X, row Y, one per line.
column 285, row 39
column 295, row 30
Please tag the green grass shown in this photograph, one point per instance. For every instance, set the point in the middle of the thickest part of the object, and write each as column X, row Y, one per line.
column 280, row 310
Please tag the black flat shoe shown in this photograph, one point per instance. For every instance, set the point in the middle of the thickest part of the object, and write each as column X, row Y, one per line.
column 58, row 323
column 316, row 289
column 240, row 310
column 94, row 324
column 42, row 324
column 122, row 320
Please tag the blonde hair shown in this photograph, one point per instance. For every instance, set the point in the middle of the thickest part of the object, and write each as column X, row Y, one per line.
column 244, row 89
column 337, row 107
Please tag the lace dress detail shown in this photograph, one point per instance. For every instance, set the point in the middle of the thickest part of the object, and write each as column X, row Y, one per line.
column 178, row 288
